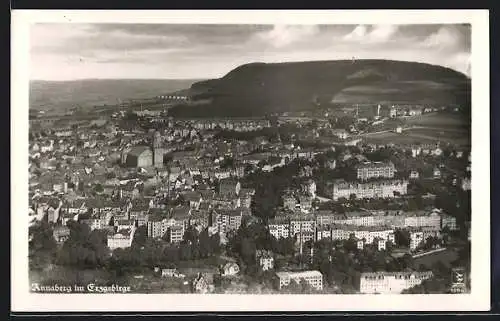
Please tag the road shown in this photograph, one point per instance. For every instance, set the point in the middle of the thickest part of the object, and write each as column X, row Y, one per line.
column 429, row 252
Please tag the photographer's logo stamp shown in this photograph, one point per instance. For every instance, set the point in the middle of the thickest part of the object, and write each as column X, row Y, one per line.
column 458, row 280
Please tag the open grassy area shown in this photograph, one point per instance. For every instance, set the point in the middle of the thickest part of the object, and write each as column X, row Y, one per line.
column 439, row 120
column 447, row 256
column 455, row 136
column 391, row 137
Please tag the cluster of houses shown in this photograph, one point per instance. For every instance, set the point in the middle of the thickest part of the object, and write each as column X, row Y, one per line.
column 376, row 228
column 221, row 211
column 117, row 178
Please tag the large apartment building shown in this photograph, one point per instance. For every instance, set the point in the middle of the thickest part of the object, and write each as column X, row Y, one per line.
column 279, row 227
column 121, row 239
column 313, row 278
column 390, row 282
column 368, row 170
column 377, row 189
column 227, row 219
column 368, row 234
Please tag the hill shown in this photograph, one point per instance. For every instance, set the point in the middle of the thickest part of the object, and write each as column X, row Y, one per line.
column 260, row 88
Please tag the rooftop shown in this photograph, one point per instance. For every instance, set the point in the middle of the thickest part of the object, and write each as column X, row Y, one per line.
column 394, row 274
column 300, row 274
column 138, row 150
column 375, row 165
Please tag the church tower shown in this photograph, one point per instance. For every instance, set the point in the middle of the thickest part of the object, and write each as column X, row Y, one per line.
column 158, row 150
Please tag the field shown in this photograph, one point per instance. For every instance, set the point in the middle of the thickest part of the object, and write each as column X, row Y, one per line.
column 429, row 128
column 439, row 120
column 391, row 137
column 447, row 256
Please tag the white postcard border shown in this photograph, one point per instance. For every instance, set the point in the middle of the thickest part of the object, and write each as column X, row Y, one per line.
column 477, row 300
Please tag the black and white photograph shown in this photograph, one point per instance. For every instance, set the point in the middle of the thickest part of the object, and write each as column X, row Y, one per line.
column 252, row 158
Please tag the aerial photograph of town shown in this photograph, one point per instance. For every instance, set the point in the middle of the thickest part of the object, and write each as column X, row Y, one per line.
column 249, row 159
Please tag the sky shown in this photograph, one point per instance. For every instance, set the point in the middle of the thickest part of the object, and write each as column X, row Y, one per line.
column 69, row 51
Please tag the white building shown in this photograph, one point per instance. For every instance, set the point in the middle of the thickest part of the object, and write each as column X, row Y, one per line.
column 121, row 239
column 313, row 278
column 416, row 238
column 390, row 282
column 176, row 233
column 279, row 229
column 378, row 189
column 449, row 221
column 368, row 234
column 432, row 219
column 265, row 260
column 369, row 170
column 414, row 175
column 302, row 224
column 380, row 244
column 157, row 227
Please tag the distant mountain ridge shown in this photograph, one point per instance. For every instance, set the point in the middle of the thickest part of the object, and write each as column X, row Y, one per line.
column 261, row 88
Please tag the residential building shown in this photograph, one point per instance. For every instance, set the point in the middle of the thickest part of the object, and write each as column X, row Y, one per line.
column 265, row 259
column 175, row 233
column 201, row 284
column 95, row 223
column 227, row 219
column 230, row 269
column 313, row 278
column 390, row 282
column 449, row 221
column 200, row 219
column 289, row 202
column 302, row 223
column 416, row 239
column 378, row 189
column 171, row 273
column 369, row 170
column 421, row 219
column 414, row 175
column 121, row 239
column 61, row 234
column 279, row 228
column 305, row 203
column 229, row 187
column 380, row 244
column 323, row 232
column 158, row 226
column 309, row 188
column 360, row 243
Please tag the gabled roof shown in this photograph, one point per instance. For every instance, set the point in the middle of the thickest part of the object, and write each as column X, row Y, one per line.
column 138, row 150
column 180, row 213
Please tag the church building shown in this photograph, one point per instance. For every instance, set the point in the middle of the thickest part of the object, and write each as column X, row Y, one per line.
column 145, row 156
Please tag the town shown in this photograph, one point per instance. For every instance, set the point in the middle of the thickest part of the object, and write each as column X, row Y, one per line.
column 371, row 198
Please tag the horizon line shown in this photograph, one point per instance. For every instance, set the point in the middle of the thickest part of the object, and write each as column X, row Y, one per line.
column 258, row 62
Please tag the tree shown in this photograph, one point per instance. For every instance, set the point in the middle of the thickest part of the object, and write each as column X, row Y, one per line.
column 140, row 236
column 205, row 247
column 42, row 246
column 350, row 245
column 84, row 248
column 191, row 235
column 98, row 188
column 406, row 262
column 185, row 252
column 402, row 237
column 247, row 250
